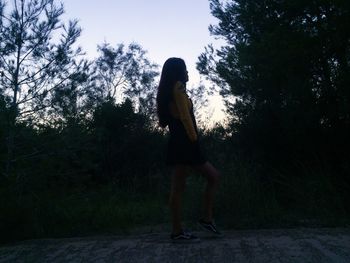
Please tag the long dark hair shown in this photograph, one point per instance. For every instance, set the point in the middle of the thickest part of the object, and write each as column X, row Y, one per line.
column 174, row 69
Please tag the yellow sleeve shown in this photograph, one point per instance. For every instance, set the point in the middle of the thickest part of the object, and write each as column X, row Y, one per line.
column 181, row 102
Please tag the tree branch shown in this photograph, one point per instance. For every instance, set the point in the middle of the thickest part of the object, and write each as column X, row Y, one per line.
column 4, row 60
column 36, row 73
column 6, row 18
column 29, row 112
column 6, row 77
column 49, row 90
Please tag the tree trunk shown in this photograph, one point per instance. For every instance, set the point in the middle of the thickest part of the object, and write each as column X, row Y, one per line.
column 13, row 114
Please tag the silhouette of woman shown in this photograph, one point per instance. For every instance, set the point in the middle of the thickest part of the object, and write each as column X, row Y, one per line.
column 175, row 110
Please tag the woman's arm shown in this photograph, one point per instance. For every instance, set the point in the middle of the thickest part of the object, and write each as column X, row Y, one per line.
column 181, row 102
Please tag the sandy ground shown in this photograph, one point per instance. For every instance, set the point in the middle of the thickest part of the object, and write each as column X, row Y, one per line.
column 279, row 245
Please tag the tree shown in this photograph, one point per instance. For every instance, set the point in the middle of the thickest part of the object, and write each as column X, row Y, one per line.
column 119, row 133
column 128, row 73
column 34, row 59
column 73, row 102
column 287, row 62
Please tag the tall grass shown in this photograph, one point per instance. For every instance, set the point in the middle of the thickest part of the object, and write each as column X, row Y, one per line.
column 106, row 210
column 302, row 195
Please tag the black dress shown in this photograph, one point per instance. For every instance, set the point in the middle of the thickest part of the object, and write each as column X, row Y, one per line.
column 180, row 149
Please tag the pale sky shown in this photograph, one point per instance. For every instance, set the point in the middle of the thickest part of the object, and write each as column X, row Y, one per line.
column 165, row 28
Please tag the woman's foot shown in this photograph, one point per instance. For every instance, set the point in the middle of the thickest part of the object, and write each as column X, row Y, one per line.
column 184, row 237
column 210, row 226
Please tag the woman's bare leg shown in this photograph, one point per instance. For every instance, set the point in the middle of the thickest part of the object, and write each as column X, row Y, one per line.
column 213, row 177
column 178, row 183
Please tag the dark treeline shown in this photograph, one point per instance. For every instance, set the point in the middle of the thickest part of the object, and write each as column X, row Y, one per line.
column 80, row 150
column 287, row 64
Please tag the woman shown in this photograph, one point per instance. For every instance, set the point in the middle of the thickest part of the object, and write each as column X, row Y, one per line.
column 175, row 110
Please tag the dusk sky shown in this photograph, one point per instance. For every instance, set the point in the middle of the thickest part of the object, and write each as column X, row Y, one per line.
column 165, row 28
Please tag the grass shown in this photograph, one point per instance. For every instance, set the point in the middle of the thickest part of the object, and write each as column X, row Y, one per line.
column 104, row 210
column 291, row 198
column 300, row 196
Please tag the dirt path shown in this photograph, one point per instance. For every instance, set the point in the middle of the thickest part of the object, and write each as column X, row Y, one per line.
column 280, row 245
